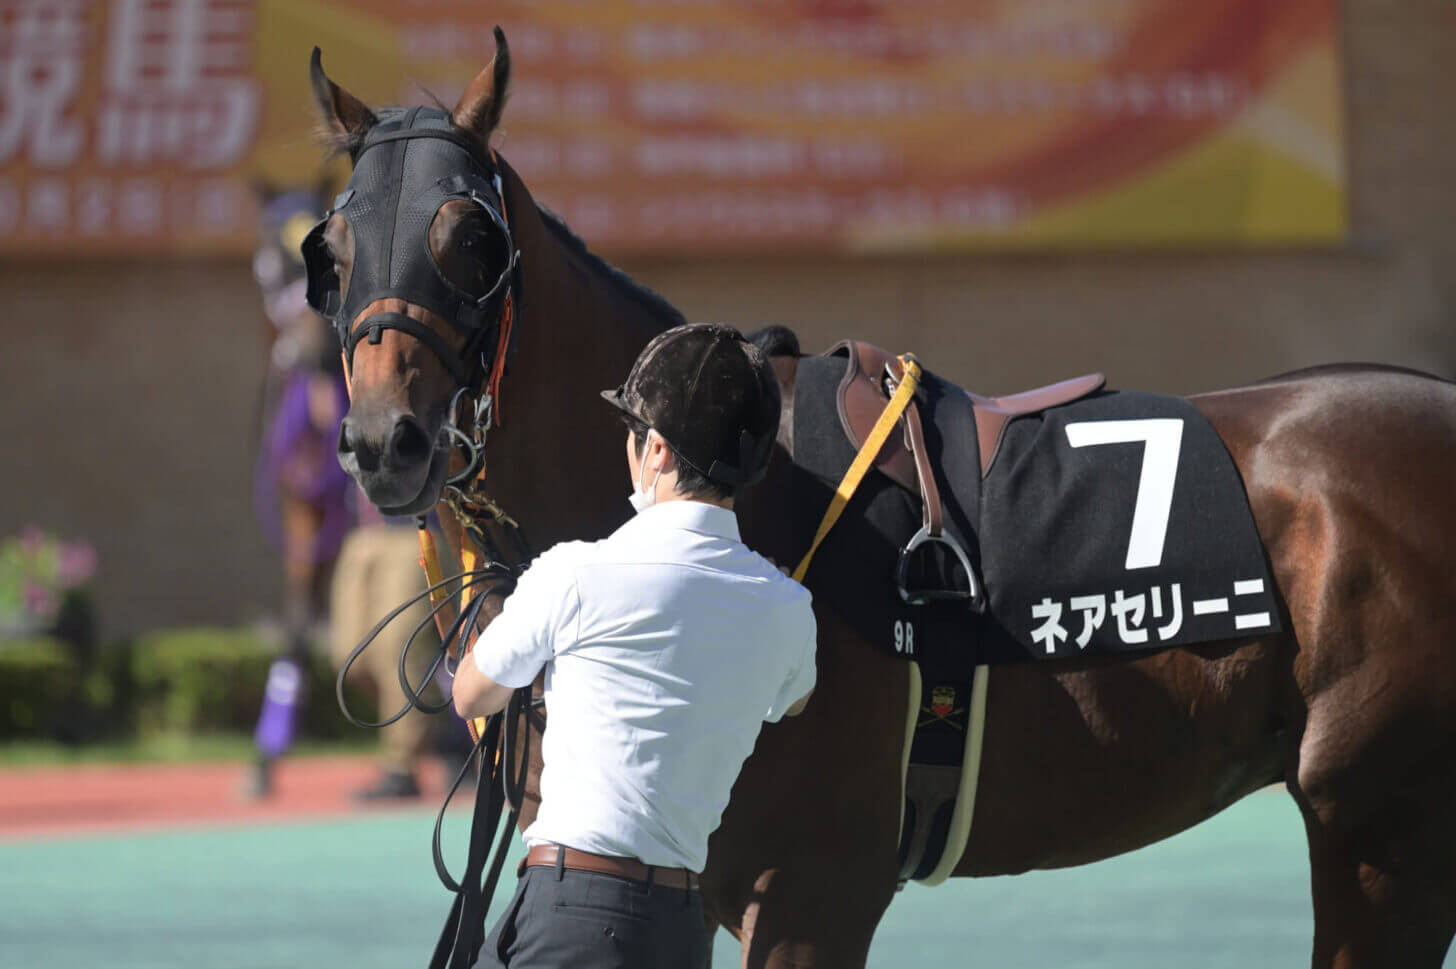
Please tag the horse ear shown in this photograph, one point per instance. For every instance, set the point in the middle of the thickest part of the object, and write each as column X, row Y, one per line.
column 345, row 117
column 479, row 109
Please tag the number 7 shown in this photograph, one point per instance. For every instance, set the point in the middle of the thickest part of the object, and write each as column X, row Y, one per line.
column 1162, row 439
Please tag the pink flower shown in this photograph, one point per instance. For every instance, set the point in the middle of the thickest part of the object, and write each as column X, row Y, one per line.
column 75, row 564
column 39, row 601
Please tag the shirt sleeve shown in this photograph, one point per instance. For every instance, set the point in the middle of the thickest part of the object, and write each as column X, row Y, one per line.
column 802, row 675
column 539, row 618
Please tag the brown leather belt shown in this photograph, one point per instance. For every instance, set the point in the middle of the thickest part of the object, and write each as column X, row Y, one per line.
column 549, row 856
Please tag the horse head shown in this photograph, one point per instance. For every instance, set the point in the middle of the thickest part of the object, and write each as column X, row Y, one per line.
column 415, row 265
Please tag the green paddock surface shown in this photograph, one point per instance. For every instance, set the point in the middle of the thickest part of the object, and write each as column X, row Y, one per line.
column 361, row 893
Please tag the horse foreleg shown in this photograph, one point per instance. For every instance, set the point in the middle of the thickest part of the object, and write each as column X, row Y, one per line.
column 804, row 863
column 813, row 918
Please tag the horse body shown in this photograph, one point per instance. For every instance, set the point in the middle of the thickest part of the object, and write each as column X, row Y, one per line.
column 1350, row 476
column 1087, row 760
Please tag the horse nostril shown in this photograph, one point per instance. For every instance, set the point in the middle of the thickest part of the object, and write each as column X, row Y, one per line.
column 354, row 444
column 409, row 444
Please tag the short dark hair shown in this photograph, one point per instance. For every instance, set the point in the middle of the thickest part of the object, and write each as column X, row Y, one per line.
column 691, row 483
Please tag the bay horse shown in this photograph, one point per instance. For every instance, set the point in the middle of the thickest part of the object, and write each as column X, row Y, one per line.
column 1351, row 475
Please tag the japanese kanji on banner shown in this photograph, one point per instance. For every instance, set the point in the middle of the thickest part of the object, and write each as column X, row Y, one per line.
column 137, row 126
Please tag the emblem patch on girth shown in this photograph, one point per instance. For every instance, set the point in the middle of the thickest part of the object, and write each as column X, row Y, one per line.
column 943, row 709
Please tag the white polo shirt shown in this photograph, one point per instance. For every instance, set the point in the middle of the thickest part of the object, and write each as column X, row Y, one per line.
column 666, row 646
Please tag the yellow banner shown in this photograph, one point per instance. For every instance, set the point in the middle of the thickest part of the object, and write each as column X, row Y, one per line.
column 140, row 126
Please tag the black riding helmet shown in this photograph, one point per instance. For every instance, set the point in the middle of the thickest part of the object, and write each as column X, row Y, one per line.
column 711, row 395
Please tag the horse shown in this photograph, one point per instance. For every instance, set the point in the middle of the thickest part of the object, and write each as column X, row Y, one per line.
column 1349, row 472
column 300, row 495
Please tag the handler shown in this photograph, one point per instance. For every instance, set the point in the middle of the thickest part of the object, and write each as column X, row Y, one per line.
column 665, row 647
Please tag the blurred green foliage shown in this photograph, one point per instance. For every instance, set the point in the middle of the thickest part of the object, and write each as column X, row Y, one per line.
column 212, row 680
column 191, row 682
column 39, row 687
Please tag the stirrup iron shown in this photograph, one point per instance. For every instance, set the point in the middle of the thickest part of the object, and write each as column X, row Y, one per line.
column 971, row 595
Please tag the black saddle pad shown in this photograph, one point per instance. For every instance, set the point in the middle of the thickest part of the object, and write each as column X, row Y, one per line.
column 1115, row 524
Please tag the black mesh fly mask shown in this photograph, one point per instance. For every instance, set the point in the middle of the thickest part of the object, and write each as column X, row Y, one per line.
column 405, row 170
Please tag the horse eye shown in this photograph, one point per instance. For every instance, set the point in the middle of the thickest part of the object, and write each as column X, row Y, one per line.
column 473, row 232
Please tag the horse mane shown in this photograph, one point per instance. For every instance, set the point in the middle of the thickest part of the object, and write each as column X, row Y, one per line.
column 663, row 312
column 775, row 341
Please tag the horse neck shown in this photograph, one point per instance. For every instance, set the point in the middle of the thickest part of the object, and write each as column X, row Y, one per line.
column 558, row 461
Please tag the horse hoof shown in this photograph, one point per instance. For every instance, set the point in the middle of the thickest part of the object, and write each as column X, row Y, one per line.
column 258, row 782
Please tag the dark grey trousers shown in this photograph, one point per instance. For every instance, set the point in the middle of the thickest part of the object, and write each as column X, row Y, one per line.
column 583, row 920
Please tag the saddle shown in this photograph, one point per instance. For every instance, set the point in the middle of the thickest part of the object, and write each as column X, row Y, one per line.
column 947, row 710
column 871, row 375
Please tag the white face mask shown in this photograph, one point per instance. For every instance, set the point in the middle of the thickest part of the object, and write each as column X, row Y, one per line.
column 641, row 498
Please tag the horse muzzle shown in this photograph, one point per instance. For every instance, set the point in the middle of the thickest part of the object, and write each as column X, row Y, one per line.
column 394, row 459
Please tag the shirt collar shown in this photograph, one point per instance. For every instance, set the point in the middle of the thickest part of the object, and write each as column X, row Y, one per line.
column 688, row 515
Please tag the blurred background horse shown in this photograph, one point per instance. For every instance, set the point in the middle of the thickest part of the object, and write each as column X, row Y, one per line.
column 302, row 498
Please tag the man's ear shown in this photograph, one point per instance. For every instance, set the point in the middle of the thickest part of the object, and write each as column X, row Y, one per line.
column 479, row 109
column 345, row 118
column 661, row 455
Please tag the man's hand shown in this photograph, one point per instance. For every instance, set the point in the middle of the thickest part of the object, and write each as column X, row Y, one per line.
column 475, row 694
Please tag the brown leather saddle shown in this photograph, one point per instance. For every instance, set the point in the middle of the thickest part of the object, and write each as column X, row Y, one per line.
column 871, row 375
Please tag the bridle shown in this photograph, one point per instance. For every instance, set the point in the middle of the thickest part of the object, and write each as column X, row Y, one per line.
column 405, row 171
column 414, row 150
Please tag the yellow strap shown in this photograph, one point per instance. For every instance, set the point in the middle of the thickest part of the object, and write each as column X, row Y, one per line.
column 909, row 380
column 430, row 560
column 468, row 557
